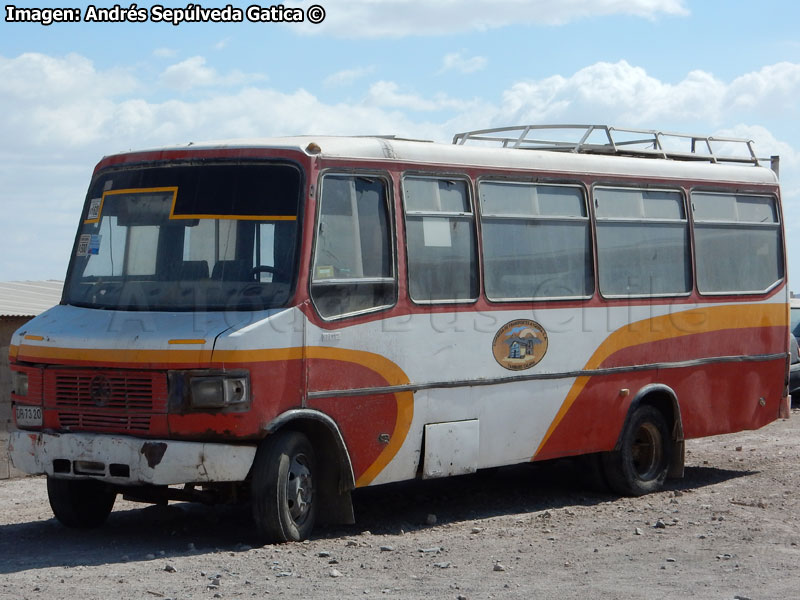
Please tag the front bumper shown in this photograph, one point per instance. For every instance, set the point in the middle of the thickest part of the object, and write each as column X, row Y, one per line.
column 128, row 460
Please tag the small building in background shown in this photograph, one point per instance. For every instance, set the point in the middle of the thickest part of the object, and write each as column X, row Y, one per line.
column 20, row 301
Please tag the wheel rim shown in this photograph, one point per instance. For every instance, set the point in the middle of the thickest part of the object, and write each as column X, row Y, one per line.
column 646, row 451
column 299, row 488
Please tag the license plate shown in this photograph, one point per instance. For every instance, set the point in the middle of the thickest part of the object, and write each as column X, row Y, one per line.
column 29, row 416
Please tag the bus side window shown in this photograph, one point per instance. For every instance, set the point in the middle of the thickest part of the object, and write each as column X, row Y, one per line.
column 536, row 241
column 737, row 242
column 642, row 242
column 353, row 265
column 440, row 232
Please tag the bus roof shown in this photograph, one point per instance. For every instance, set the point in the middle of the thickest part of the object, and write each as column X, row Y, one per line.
column 425, row 153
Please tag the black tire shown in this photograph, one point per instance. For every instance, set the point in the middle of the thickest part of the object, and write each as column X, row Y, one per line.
column 282, row 488
column 80, row 503
column 641, row 464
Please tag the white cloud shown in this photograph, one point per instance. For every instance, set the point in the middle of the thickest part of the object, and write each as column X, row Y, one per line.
column 387, row 94
column 347, row 76
column 629, row 96
column 400, row 18
column 776, row 84
column 52, row 80
column 57, row 102
column 193, row 72
column 67, row 103
column 189, row 73
column 455, row 61
column 165, row 52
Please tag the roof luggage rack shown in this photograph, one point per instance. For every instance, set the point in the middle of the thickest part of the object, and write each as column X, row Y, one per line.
column 619, row 141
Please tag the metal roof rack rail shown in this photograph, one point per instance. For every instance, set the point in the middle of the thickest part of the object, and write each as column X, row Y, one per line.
column 619, row 141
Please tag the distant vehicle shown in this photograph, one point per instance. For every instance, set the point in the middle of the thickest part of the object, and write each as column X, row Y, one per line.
column 794, row 370
column 285, row 320
column 794, row 316
column 794, row 367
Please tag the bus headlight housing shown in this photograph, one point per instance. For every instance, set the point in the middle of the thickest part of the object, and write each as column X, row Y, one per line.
column 209, row 390
column 218, row 391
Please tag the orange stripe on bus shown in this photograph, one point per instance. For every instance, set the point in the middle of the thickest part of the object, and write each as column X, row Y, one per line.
column 128, row 356
column 699, row 320
column 108, row 356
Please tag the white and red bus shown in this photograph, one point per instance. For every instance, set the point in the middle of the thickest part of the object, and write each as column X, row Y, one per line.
column 285, row 320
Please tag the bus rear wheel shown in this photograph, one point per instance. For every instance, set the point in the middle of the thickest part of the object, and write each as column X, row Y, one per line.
column 282, row 488
column 80, row 503
column 641, row 463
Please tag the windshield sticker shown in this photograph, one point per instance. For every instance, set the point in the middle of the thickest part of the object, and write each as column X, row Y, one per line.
column 94, row 244
column 93, row 216
column 324, row 272
column 83, row 244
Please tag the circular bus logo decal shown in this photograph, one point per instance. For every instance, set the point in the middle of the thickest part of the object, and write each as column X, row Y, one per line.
column 519, row 344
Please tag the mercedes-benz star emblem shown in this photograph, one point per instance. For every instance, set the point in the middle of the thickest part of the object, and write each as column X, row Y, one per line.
column 100, row 390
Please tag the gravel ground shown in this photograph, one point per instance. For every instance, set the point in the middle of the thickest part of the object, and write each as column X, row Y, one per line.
column 729, row 530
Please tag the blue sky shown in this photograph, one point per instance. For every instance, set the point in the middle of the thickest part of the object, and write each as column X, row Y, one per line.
column 73, row 92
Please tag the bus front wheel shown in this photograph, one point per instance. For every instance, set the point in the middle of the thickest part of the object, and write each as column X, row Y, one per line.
column 282, row 488
column 80, row 503
column 641, row 463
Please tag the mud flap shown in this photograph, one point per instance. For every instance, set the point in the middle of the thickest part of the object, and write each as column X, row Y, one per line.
column 678, row 460
column 785, row 407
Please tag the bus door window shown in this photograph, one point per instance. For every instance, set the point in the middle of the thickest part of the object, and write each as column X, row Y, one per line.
column 353, row 261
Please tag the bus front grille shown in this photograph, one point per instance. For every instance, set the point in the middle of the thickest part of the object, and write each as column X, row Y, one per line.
column 113, row 400
column 97, row 422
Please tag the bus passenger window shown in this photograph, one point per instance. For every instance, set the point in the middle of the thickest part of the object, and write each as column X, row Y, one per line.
column 353, row 264
column 737, row 242
column 536, row 241
column 440, row 232
column 642, row 243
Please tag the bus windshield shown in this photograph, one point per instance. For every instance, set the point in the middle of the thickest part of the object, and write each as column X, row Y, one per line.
column 188, row 237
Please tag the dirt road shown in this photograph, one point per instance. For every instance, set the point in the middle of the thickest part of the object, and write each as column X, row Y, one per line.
column 730, row 529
